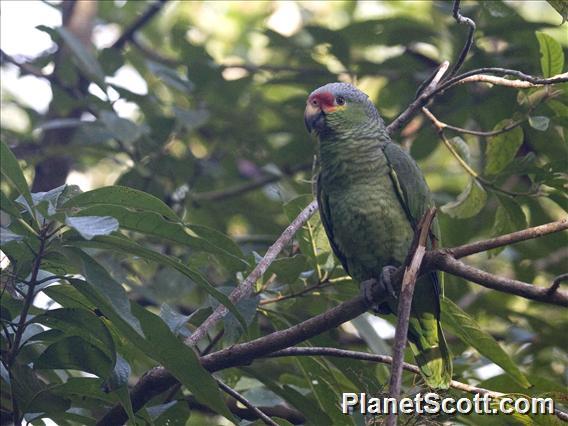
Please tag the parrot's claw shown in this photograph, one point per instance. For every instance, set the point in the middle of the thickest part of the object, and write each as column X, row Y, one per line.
column 386, row 280
column 381, row 289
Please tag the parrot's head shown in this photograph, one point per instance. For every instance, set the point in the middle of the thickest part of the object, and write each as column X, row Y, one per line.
column 340, row 108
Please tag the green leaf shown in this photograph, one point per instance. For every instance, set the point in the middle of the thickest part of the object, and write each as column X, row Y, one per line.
column 125, row 197
column 551, row 55
column 32, row 394
column 468, row 203
column 11, row 170
column 288, row 269
column 75, row 353
column 311, row 237
column 181, row 361
column 501, row 149
column 174, row 413
column 468, row 330
column 122, row 129
column 124, row 245
column 124, row 397
column 561, row 7
column 170, row 77
column 151, row 223
column 508, row 218
column 175, row 321
column 92, row 226
column 81, row 323
column 106, row 286
column 539, row 123
column 9, row 206
column 85, row 59
column 462, row 148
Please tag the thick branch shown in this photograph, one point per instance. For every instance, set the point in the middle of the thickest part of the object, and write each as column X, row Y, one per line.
column 500, row 81
column 244, row 289
column 159, row 380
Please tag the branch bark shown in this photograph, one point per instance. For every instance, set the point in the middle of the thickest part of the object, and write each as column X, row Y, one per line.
column 404, row 304
column 244, row 289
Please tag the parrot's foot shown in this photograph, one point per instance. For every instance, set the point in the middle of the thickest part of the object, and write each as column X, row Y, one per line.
column 377, row 291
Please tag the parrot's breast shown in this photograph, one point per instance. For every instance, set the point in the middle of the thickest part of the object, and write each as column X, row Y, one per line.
column 370, row 226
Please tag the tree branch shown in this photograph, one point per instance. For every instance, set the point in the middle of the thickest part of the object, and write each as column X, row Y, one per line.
column 500, row 81
column 23, row 66
column 129, row 32
column 159, row 380
column 404, row 304
column 508, row 239
column 244, row 289
column 469, row 42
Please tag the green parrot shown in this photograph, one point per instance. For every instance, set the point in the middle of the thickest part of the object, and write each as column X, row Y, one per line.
column 371, row 195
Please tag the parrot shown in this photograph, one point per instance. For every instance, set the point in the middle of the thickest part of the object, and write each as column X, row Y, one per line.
column 371, row 195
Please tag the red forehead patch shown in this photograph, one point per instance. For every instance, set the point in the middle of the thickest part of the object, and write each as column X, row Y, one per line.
column 325, row 99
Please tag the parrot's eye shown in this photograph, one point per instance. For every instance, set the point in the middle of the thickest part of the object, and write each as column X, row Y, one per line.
column 314, row 102
column 340, row 100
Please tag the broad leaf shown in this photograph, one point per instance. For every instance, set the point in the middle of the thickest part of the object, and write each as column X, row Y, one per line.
column 501, row 149
column 468, row 203
column 11, row 170
column 468, row 330
column 92, row 226
column 551, row 55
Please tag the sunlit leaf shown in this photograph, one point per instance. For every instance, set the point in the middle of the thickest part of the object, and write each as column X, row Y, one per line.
column 468, row 203
column 551, row 55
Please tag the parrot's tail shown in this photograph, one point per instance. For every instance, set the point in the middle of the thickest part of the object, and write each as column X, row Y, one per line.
column 431, row 353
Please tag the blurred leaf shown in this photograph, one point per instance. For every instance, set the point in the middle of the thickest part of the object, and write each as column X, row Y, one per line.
column 508, row 218
column 287, row 269
column 12, row 171
column 111, row 60
column 539, row 123
column 561, row 7
column 85, row 59
column 174, row 413
column 170, row 77
column 551, row 55
column 468, row 203
column 92, row 226
column 175, row 321
column 121, row 128
column 468, row 330
column 501, row 149
column 75, row 353
column 461, row 148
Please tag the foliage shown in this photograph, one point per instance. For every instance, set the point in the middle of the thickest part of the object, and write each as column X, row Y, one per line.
column 211, row 166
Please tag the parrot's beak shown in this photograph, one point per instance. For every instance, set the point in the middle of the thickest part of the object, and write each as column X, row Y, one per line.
column 314, row 118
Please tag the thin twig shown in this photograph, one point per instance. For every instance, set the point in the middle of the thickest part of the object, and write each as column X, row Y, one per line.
column 230, row 391
column 425, row 97
column 404, row 304
column 129, row 32
column 24, row 66
column 500, row 81
column 444, row 126
column 508, row 239
column 244, row 289
column 469, row 42
column 556, row 283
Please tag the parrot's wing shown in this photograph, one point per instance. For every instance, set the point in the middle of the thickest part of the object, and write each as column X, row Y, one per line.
column 413, row 192
column 410, row 185
column 327, row 224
